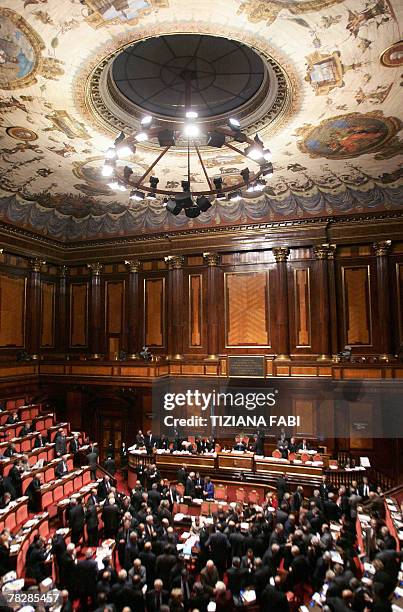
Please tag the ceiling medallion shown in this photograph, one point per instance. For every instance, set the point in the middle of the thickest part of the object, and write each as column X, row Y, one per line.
column 186, row 87
column 259, row 91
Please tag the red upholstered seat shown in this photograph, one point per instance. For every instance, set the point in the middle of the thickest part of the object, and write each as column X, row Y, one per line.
column 304, row 457
column 292, row 456
column 317, row 457
column 276, row 453
column 220, row 492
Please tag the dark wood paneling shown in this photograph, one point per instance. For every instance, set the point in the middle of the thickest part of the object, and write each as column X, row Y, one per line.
column 48, row 298
column 78, row 315
column 12, row 310
column 154, row 312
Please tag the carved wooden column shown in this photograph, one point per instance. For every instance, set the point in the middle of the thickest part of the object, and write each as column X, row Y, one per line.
column 383, row 293
column 62, row 310
column 282, row 323
column 322, row 253
column 34, row 310
column 213, row 261
column 175, row 306
column 133, row 310
column 333, row 319
column 95, row 318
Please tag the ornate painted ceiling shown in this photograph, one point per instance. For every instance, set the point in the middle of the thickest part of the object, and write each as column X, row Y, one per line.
column 335, row 135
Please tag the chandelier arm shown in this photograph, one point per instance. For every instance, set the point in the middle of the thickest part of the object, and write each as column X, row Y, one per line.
column 230, row 146
column 189, row 163
column 155, row 162
column 202, row 165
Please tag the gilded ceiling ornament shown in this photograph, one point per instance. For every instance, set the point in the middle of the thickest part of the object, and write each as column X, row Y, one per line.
column 348, row 136
column 268, row 10
column 21, row 60
column 324, row 251
column 120, row 12
column 21, row 133
column 63, row 122
column 392, row 57
column 325, row 72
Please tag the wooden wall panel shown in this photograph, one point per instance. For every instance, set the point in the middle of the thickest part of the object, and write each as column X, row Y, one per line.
column 114, row 306
column 361, row 416
column 195, row 310
column 48, row 296
column 357, row 305
column 78, row 315
column 302, row 307
column 12, row 310
column 154, row 312
column 305, row 409
column 399, row 281
column 246, row 309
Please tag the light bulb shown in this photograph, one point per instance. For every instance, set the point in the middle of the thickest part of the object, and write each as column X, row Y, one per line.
column 190, row 114
column 147, row 120
column 191, row 130
column 124, row 151
column 110, row 153
column 141, row 137
column 107, row 170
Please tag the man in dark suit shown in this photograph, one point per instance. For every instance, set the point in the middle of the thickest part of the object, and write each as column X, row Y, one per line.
column 12, row 419
column 303, row 446
column 156, row 597
column 10, row 450
column 87, row 578
column 148, row 560
column 35, row 562
column 60, row 443
column 110, row 465
column 91, row 520
column 236, row 576
column 173, row 496
column 104, row 488
column 324, row 489
column 15, row 478
column 190, row 490
column 111, row 518
column 154, row 497
column 74, row 448
column 33, row 493
column 76, row 520
column 92, row 460
column 219, row 546
column 332, row 510
column 164, row 564
column 40, row 441
column 27, row 429
column 274, row 599
column 61, row 469
column 182, row 474
column 364, row 489
column 282, row 486
column 149, row 441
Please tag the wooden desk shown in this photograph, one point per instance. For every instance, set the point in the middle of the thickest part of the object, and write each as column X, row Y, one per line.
column 14, row 515
column 46, row 453
column 53, row 492
column 47, row 472
column 22, row 445
column 41, row 424
column 299, row 471
column 25, row 413
column 231, row 461
column 25, row 537
column 194, row 462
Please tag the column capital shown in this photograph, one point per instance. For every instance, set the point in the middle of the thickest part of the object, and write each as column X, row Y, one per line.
column 281, row 254
column 324, row 251
column 36, row 263
column 63, row 270
column 95, row 268
column 212, row 259
column 175, row 262
column 382, row 248
column 134, row 265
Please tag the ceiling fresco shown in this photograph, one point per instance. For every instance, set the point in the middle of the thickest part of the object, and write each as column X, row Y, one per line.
column 336, row 133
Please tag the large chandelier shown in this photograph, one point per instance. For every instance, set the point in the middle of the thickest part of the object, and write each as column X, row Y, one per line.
column 197, row 139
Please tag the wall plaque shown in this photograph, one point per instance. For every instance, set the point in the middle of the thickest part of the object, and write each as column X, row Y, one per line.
column 246, row 366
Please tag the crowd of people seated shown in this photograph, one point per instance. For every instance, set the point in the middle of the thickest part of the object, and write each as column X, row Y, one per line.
column 285, row 550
